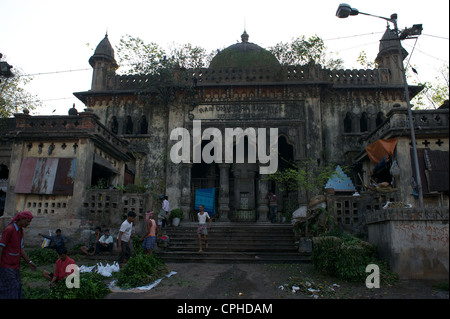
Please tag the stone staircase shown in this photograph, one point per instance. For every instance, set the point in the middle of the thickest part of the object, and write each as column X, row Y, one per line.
column 234, row 243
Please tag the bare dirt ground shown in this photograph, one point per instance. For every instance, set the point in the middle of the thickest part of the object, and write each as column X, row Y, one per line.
column 272, row 281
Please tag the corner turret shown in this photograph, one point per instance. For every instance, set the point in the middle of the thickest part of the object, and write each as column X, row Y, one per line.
column 103, row 63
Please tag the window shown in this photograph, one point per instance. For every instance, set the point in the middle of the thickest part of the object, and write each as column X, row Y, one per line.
column 128, row 128
column 348, row 123
column 364, row 123
column 114, row 126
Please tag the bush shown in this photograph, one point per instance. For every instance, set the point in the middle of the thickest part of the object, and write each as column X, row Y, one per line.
column 176, row 213
column 42, row 256
column 346, row 257
column 141, row 270
column 91, row 287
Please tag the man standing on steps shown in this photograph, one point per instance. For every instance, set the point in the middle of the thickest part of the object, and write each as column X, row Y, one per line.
column 202, row 228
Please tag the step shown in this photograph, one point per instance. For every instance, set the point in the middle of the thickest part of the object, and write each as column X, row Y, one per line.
column 232, row 257
column 234, row 243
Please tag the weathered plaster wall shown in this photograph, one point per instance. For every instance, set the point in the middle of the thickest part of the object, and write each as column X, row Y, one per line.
column 414, row 242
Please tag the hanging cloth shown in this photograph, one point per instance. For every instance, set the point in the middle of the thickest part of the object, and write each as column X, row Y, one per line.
column 381, row 148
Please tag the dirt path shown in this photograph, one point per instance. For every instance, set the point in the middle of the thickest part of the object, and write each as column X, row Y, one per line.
column 269, row 281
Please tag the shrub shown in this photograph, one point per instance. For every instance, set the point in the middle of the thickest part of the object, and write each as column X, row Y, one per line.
column 346, row 257
column 42, row 256
column 176, row 213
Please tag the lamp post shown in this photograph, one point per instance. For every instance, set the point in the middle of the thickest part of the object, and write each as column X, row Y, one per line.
column 344, row 10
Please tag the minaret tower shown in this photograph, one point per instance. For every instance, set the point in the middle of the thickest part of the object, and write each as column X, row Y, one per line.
column 389, row 55
column 103, row 63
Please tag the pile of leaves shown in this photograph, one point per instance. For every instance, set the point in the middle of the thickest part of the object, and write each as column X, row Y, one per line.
column 42, row 256
column 91, row 287
column 141, row 270
column 344, row 256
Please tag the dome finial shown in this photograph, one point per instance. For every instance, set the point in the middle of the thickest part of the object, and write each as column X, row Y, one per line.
column 244, row 37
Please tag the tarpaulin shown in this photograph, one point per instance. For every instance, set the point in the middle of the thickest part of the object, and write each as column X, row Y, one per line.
column 380, row 148
column 206, row 197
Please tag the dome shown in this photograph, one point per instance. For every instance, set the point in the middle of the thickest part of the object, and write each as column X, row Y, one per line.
column 104, row 50
column 244, row 55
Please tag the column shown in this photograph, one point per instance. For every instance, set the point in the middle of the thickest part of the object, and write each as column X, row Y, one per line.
column 224, row 196
column 263, row 207
column 186, row 190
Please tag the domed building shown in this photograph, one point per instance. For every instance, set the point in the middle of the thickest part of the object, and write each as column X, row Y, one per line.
column 212, row 136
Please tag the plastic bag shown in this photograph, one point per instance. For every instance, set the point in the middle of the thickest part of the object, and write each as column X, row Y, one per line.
column 45, row 243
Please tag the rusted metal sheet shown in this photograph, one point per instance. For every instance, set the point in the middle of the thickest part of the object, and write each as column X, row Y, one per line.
column 26, row 173
column 46, row 176
column 65, row 176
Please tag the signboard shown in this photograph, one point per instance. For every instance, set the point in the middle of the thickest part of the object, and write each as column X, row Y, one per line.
column 207, row 198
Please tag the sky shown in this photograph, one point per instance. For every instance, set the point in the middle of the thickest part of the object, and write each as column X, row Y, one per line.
column 54, row 39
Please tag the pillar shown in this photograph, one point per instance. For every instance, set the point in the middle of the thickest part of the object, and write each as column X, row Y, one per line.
column 224, row 196
column 263, row 207
column 186, row 190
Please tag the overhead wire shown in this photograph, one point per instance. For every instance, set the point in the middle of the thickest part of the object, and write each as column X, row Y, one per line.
column 329, row 39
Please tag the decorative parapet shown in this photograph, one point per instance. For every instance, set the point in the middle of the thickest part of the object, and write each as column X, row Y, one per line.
column 408, row 214
column 85, row 122
column 299, row 74
column 423, row 120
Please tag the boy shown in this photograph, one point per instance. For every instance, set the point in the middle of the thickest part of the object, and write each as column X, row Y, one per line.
column 202, row 229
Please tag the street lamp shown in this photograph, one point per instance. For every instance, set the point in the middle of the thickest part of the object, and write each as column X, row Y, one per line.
column 344, row 10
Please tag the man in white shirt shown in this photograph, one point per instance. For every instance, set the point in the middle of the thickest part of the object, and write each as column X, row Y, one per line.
column 123, row 241
column 164, row 213
column 105, row 243
column 202, row 227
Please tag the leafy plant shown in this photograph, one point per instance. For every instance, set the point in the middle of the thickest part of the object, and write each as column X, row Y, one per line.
column 319, row 222
column 344, row 256
column 176, row 213
column 141, row 270
column 42, row 256
column 309, row 176
column 91, row 287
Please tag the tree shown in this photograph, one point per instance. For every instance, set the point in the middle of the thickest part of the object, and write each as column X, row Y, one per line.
column 434, row 93
column 309, row 176
column 13, row 97
column 302, row 50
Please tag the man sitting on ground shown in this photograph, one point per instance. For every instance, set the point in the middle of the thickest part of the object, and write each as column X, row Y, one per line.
column 61, row 270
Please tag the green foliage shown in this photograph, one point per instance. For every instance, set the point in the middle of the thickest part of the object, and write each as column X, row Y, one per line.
column 309, row 176
column 13, row 97
column 434, row 93
column 302, row 51
column 101, row 184
column 141, row 270
column 319, row 222
column 91, row 287
column 176, row 213
column 42, row 256
column 346, row 257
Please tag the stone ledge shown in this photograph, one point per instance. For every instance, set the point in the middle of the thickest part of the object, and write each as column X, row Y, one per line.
column 417, row 214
